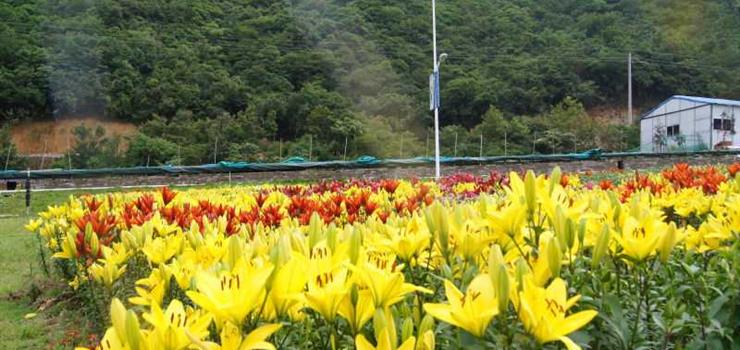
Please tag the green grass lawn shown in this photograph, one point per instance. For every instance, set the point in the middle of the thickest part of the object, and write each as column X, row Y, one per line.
column 19, row 271
column 24, row 286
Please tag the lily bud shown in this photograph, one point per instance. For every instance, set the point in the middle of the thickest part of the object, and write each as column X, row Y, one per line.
column 70, row 244
column 495, row 259
column 148, row 228
column 522, row 269
column 379, row 323
column 559, row 226
column 416, row 310
column 555, row 176
column 314, row 230
column 221, row 224
column 233, row 251
column 331, row 237
column 554, row 257
column 193, row 235
column 502, row 287
column 88, row 232
column 280, row 253
column 667, row 242
column 94, row 245
column 133, row 333
column 443, row 228
column 429, row 219
column 447, row 272
column 602, row 244
column 297, row 241
column 582, row 232
column 407, row 329
column 129, row 241
column 426, row 341
column 355, row 243
column 384, row 326
column 118, row 317
column 570, row 234
column 427, row 324
column 530, row 191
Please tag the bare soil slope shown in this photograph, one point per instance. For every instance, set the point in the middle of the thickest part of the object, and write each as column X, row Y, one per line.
column 54, row 137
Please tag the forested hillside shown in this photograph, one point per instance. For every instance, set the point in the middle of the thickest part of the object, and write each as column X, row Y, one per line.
column 262, row 79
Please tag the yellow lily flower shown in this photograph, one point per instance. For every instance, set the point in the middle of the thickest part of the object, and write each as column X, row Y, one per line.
column 711, row 235
column 125, row 333
column 383, row 344
column 472, row 311
column 151, row 290
column 358, row 313
column 383, row 277
column 469, row 241
column 231, row 338
column 183, row 270
column 639, row 239
column 542, row 311
column 326, row 291
column 288, row 282
column 385, row 334
column 110, row 341
column 507, row 223
column 232, row 295
column 33, row 225
column 328, row 279
column 170, row 326
column 106, row 272
column 162, row 249
column 69, row 247
column 407, row 243
column 138, row 236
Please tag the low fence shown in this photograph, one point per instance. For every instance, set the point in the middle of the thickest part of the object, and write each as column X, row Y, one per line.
column 365, row 167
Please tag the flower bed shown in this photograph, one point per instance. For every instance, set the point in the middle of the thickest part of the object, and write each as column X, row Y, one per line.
column 513, row 261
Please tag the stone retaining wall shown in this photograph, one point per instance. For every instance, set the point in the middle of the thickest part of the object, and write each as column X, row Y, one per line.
column 628, row 163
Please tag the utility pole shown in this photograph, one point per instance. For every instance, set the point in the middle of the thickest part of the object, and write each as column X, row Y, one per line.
column 69, row 153
column 7, row 159
column 400, row 152
column 215, row 151
column 435, row 89
column 455, row 153
column 344, row 157
column 480, row 150
column 506, row 144
column 426, row 147
column 629, row 89
column 43, row 155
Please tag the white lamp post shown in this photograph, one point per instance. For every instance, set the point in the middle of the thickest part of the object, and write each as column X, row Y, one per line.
column 437, row 60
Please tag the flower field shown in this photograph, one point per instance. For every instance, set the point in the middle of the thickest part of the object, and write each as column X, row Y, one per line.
column 514, row 261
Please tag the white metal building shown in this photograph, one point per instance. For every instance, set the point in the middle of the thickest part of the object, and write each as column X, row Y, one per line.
column 690, row 123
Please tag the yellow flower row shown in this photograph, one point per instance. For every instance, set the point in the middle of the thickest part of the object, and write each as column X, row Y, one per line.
column 250, row 280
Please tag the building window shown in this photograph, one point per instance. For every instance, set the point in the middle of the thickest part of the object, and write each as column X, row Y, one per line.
column 724, row 124
column 673, row 130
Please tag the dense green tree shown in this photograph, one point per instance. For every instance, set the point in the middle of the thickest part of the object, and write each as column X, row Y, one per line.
column 240, row 80
column 93, row 149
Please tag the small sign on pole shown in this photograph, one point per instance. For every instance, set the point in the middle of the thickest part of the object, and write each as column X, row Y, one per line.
column 433, row 91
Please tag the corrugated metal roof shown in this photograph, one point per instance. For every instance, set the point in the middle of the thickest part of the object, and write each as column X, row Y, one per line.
column 711, row 101
column 697, row 99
